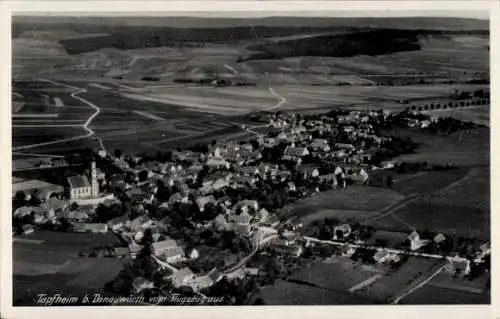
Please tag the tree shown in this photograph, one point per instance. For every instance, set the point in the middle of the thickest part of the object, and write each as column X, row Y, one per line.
column 118, row 153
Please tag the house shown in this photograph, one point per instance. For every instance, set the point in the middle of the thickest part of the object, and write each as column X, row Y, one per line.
column 291, row 187
column 201, row 202
column 245, row 180
column 173, row 255
column 121, row 252
column 344, row 146
column 359, row 176
column 483, row 251
column 141, row 223
column 192, row 253
column 238, row 273
column 439, row 238
column 383, row 255
column 140, row 284
column 249, row 170
column 25, row 211
column 161, row 246
column 387, row 164
column 28, row 229
column 134, row 250
column 308, row 171
column 76, row 215
column 251, row 271
column 118, row 223
column 328, row 178
column 347, row 250
column 243, row 219
column 458, row 265
column 136, row 194
column 246, row 205
column 415, row 241
column 294, row 250
column 295, row 152
column 220, row 222
column 320, row 145
column 341, row 232
column 217, row 162
column 263, row 215
column 182, row 277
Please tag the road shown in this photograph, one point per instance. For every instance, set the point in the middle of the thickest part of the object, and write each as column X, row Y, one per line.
column 390, row 250
column 280, row 103
column 85, row 126
column 243, row 261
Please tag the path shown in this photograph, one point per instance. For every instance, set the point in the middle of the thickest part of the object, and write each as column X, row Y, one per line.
column 280, row 103
column 418, row 282
column 231, row 69
column 85, row 126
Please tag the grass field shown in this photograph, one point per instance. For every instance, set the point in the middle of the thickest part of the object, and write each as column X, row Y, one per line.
column 50, row 263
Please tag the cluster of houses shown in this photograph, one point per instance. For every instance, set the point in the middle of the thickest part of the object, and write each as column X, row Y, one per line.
column 414, row 242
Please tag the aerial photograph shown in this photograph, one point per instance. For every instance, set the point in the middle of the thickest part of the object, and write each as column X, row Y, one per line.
column 250, row 160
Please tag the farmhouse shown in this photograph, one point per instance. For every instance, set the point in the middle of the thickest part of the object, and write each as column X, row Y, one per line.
column 162, row 246
column 341, row 232
column 458, row 265
column 174, row 255
column 182, row 277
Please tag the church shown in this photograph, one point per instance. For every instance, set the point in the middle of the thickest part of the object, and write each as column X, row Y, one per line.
column 80, row 187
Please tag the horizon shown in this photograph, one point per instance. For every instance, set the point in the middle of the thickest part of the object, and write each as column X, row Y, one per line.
column 473, row 15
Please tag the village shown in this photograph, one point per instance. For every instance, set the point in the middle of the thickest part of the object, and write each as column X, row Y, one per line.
column 196, row 216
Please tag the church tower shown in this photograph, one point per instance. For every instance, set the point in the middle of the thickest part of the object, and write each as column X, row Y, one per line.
column 93, row 183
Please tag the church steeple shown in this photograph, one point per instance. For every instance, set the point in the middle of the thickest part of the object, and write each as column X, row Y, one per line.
column 93, row 183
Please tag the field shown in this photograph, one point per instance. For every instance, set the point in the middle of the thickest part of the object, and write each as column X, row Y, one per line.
column 462, row 208
column 388, row 286
column 339, row 273
column 442, row 296
column 470, row 148
column 289, row 293
column 476, row 114
column 43, row 260
column 353, row 201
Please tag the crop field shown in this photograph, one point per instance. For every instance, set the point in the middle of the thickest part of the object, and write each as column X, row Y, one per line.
column 290, row 293
column 339, row 273
column 386, row 287
column 462, row 209
column 435, row 295
column 345, row 203
column 464, row 148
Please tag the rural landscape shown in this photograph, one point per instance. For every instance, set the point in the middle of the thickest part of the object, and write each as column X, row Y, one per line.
column 250, row 161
